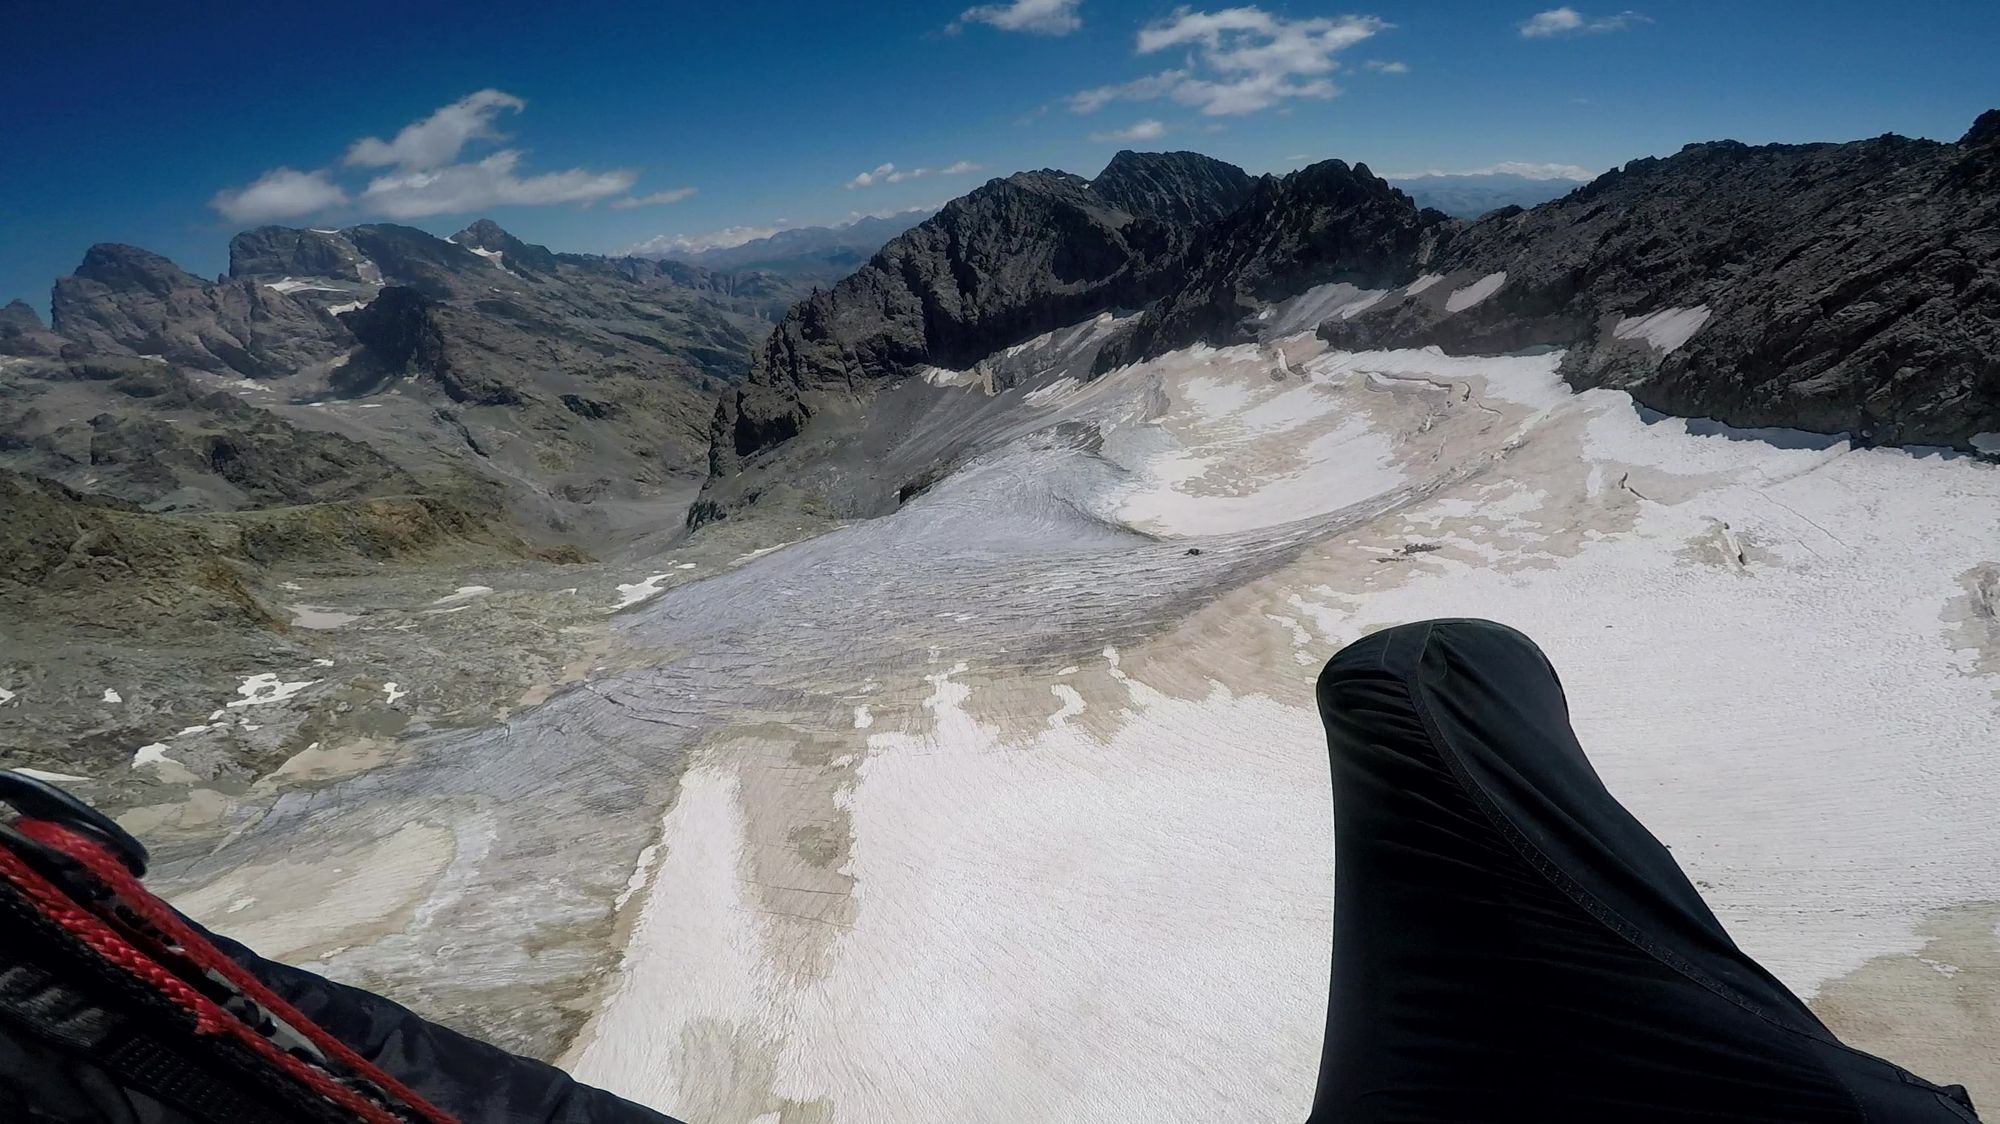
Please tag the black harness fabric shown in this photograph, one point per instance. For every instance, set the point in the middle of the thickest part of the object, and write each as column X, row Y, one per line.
column 1510, row 944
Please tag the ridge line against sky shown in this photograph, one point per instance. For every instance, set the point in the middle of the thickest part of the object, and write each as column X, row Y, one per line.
column 680, row 122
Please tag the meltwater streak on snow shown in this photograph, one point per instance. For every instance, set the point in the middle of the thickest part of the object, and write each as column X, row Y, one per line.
column 1666, row 329
column 1462, row 299
column 1304, row 312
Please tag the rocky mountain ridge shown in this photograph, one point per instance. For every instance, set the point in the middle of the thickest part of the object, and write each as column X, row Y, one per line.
column 1016, row 257
column 564, row 389
column 1847, row 287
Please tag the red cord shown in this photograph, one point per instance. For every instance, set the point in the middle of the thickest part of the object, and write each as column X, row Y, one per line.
column 209, row 1017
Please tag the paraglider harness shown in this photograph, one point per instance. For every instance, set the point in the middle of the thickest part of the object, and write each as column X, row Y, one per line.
column 103, row 974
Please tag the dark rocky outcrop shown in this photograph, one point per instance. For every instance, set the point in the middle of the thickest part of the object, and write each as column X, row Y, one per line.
column 275, row 252
column 1017, row 257
column 1846, row 287
column 1329, row 222
column 22, row 332
column 1185, row 188
column 519, row 256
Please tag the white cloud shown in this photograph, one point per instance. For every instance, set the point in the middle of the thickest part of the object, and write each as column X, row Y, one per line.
column 437, row 139
column 656, row 199
column 879, row 174
column 281, row 193
column 1569, row 21
column 889, row 173
column 664, row 244
column 1241, row 60
column 426, row 177
column 1519, row 168
column 488, row 183
column 1146, row 130
column 1036, row 17
column 1381, row 67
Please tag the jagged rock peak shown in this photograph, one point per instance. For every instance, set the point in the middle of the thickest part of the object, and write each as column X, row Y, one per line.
column 1177, row 187
column 20, row 316
column 119, row 266
column 520, row 256
column 397, row 326
column 1985, row 131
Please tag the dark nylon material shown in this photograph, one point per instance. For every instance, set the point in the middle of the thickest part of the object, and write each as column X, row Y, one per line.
column 1511, row 944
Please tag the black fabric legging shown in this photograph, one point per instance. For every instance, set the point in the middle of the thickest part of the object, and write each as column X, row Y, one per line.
column 1510, row 944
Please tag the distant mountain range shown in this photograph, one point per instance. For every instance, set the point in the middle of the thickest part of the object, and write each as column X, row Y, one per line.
column 1469, row 196
column 1837, row 287
column 828, row 252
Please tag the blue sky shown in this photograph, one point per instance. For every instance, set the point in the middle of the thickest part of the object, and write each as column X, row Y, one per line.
column 572, row 125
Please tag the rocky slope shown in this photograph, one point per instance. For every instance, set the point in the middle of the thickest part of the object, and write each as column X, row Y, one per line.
column 1832, row 287
column 1185, row 188
column 1323, row 224
column 574, row 391
column 126, row 301
column 1017, row 257
column 149, row 434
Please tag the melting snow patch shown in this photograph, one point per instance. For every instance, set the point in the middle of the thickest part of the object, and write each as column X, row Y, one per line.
column 6, row 696
column 153, row 754
column 632, row 594
column 290, row 286
column 464, row 593
column 1072, row 704
column 322, row 663
column 351, row 306
column 263, row 688
column 1988, row 443
column 1472, row 294
column 112, row 696
column 938, row 376
column 863, row 718
column 314, row 617
column 292, row 585
column 1422, row 283
column 1666, row 329
column 390, row 690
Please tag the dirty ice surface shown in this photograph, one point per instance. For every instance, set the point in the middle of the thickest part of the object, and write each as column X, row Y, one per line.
column 1012, row 805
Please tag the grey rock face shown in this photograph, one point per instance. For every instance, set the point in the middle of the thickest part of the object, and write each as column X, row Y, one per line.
column 1186, row 188
column 22, row 332
column 521, row 257
column 124, row 300
column 1325, row 223
column 274, row 252
column 1015, row 258
column 1843, row 287
column 147, row 434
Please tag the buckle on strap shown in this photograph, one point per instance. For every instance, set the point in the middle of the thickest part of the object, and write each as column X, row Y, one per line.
column 40, row 800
